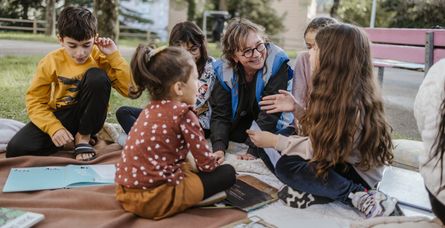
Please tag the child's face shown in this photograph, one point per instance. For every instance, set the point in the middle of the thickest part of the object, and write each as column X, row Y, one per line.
column 190, row 88
column 309, row 39
column 79, row 51
column 314, row 58
column 195, row 50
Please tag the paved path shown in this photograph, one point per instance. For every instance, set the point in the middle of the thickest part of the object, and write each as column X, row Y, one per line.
column 399, row 86
column 20, row 47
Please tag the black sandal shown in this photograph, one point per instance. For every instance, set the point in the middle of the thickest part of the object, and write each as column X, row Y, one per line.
column 84, row 148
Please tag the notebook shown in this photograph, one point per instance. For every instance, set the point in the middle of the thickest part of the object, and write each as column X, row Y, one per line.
column 407, row 186
column 55, row 177
column 13, row 218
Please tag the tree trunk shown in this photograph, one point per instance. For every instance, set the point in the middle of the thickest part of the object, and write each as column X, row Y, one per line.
column 335, row 8
column 191, row 10
column 50, row 15
column 222, row 5
column 107, row 14
column 25, row 11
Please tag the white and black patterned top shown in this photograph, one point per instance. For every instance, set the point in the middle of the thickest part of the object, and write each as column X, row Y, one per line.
column 205, row 87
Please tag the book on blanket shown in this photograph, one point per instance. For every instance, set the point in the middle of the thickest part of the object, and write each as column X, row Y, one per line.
column 54, row 177
column 12, row 218
column 250, row 193
column 253, row 221
column 406, row 186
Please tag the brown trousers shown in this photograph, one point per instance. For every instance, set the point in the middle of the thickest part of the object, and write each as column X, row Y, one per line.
column 165, row 200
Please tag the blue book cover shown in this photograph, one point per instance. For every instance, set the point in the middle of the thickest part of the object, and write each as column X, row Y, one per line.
column 54, row 177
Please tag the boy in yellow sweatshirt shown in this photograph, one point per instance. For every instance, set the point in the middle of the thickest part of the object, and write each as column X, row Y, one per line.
column 69, row 94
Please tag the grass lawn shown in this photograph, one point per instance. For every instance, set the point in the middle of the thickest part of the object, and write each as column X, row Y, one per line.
column 15, row 76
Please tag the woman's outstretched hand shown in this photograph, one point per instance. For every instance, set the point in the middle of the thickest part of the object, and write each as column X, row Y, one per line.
column 282, row 102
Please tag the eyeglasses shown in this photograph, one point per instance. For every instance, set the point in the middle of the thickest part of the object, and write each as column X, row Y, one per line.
column 194, row 50
column 249, row 52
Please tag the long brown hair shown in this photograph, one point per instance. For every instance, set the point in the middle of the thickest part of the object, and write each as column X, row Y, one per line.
column 345, row 110
column 189, row 32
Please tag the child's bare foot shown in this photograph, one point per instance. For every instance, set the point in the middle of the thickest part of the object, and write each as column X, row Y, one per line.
column 246, row 156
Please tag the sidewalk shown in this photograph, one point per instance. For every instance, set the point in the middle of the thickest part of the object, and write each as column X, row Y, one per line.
column 21, row 47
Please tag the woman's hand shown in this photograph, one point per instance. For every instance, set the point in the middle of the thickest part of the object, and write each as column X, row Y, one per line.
column 219, row 156
column 263, row 139
column 106, row 45
column 282, row 102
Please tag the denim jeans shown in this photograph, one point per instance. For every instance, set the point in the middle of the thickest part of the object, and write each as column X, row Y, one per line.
column 269, row 161
column 299, row 174
column 126, row 116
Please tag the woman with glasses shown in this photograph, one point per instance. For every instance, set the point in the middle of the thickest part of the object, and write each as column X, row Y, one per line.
column 190, row 37
column 249, row 69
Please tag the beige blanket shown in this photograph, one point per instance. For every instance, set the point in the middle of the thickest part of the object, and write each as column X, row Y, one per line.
column 94, row 206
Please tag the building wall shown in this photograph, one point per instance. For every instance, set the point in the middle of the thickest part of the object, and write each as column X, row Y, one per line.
column 298, row 13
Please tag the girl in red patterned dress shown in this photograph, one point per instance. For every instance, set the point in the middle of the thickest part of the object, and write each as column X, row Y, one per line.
column 153, row 178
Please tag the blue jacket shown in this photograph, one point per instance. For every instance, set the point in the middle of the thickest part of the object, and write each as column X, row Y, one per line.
column 276, row 69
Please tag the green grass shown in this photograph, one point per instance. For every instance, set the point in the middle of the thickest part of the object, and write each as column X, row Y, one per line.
column 26, row 36
column 15, row 77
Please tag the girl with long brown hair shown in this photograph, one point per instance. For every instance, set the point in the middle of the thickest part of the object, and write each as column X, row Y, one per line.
column 345, row 140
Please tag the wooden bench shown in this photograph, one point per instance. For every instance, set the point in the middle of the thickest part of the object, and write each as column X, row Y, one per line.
column 413, row 49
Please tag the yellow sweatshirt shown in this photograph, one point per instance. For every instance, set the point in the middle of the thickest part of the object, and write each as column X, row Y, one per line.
column 55, row 84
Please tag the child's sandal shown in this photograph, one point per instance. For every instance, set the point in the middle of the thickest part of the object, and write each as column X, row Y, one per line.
column 84, row 148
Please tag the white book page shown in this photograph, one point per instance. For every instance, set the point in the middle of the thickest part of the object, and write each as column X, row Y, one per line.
column 105, row 173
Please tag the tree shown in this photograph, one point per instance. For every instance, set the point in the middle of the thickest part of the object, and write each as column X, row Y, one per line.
column 50, row 17
column 334, row 8
column 358, row 12
column 258, row 11
column 107, row 18
column 19, row 8
column 394, row 13
column 416, row 13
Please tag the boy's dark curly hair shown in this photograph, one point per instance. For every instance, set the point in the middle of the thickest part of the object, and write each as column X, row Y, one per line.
column 77, row 23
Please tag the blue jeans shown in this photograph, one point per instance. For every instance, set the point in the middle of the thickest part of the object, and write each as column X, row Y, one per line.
column 299, row 174
column 126, row 116
column 262, row 154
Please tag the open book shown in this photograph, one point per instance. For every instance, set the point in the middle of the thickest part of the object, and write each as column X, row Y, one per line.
column 250, row 193
column 12, row 218
column 54, row 177
column 407, row 186
column 253, row 221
